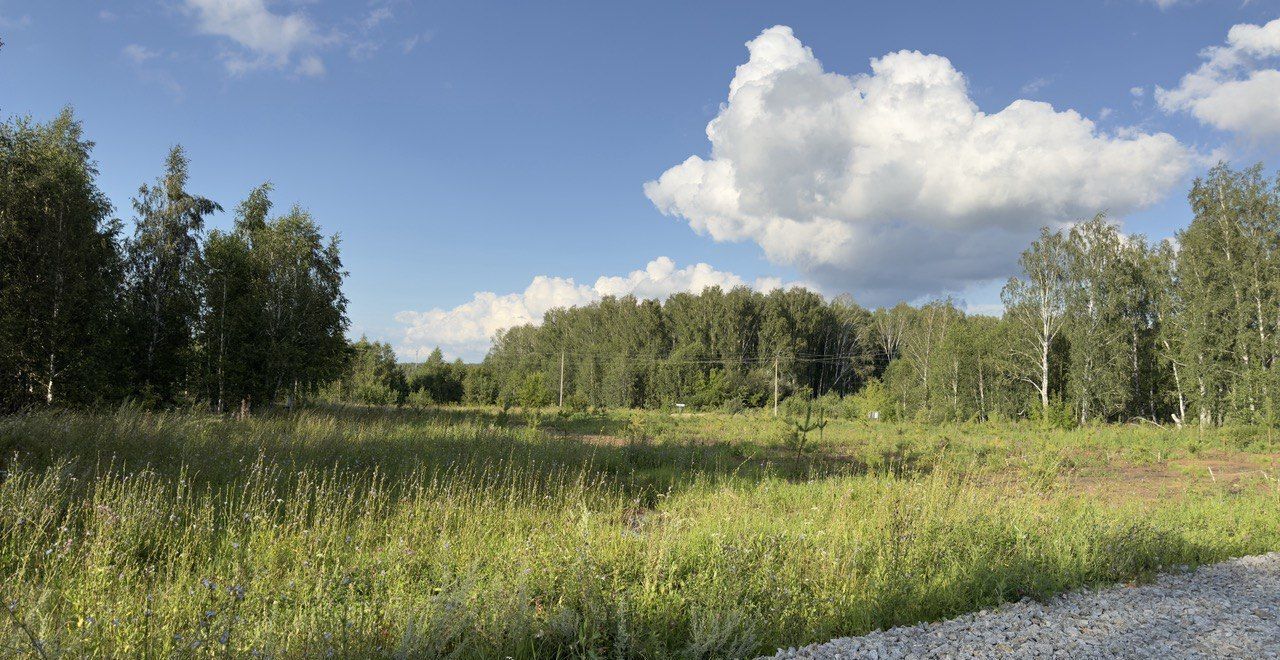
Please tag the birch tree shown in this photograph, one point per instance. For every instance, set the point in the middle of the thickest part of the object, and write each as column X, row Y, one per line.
column 1036, row 304
column 164, row 258
column 59, row 266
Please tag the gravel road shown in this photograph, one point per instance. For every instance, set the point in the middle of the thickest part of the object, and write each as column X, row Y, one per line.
column 1227, row 610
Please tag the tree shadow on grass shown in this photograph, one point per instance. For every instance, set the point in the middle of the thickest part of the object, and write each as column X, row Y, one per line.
column 403, row 447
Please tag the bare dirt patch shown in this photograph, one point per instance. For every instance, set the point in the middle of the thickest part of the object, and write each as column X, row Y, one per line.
column 1229, row 472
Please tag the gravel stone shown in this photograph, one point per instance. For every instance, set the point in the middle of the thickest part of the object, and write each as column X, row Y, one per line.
column 1227, row 610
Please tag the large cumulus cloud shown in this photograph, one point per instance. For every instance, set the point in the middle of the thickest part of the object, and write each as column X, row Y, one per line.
column 893, row 183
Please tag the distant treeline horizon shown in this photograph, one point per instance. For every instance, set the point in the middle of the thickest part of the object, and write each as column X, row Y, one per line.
column 1098, row 326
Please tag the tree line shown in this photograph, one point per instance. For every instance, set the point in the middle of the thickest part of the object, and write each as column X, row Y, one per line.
column 1098, row 326
column 168, row 313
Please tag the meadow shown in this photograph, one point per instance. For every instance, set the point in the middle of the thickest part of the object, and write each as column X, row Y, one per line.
column 477, row 533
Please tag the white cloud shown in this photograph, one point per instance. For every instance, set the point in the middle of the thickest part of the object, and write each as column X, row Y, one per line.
column 1137, row 92
column 1035, row 85
column 20, row 22
column 375, row 17
column 408, row 45
column 1232, row 90
column 894, row 184
column 310, row 66
column 139, row 54
column 265, row 40
column 466, row 330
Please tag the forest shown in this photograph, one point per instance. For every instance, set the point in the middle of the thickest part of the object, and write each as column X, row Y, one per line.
column 1099, row 325
column 167, row 313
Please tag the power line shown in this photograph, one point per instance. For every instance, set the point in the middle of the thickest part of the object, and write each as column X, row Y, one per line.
column 757, row 360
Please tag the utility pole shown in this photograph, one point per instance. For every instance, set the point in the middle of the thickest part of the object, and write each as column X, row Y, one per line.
column 562, row 378
column 775, row 385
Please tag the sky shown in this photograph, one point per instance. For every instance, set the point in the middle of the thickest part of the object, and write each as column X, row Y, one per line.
column 483, row 162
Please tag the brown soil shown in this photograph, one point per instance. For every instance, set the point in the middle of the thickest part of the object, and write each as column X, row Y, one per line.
column 1230, row 473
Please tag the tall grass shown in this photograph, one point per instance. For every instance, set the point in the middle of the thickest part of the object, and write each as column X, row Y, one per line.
column 360, row 534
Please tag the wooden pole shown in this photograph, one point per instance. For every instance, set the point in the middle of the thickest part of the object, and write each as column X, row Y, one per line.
column 562, row 378
column 775, row 385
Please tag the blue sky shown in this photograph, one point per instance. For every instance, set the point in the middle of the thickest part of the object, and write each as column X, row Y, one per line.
column 483, row 161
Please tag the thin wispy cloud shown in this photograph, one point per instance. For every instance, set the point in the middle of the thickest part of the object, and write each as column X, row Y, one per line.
column 365, row 35
column 408, row 45
column 145, row 61
column 139, row 54
column 261, row 38
column 260, row 35
column 1035, row 86
column 15, row 22
column 377, row 16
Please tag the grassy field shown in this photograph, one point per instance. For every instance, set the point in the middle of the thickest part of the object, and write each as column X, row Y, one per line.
column 473, row 533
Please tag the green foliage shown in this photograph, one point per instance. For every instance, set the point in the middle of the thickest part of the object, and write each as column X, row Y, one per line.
column 442, row 382
column 1110, row 327
column 479, row 385
column 420, row 399
column 710, row 350
column 1035, row 307
column 533, row 392
column 60, row 268
column 575, row 403
column 1059, row 415
column 305, row 312
column 874, row 398
column 1227, row 268
column 638, row 431
column 163, row 286
column 798, row 437
column 169, row 315
column 372, row 377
